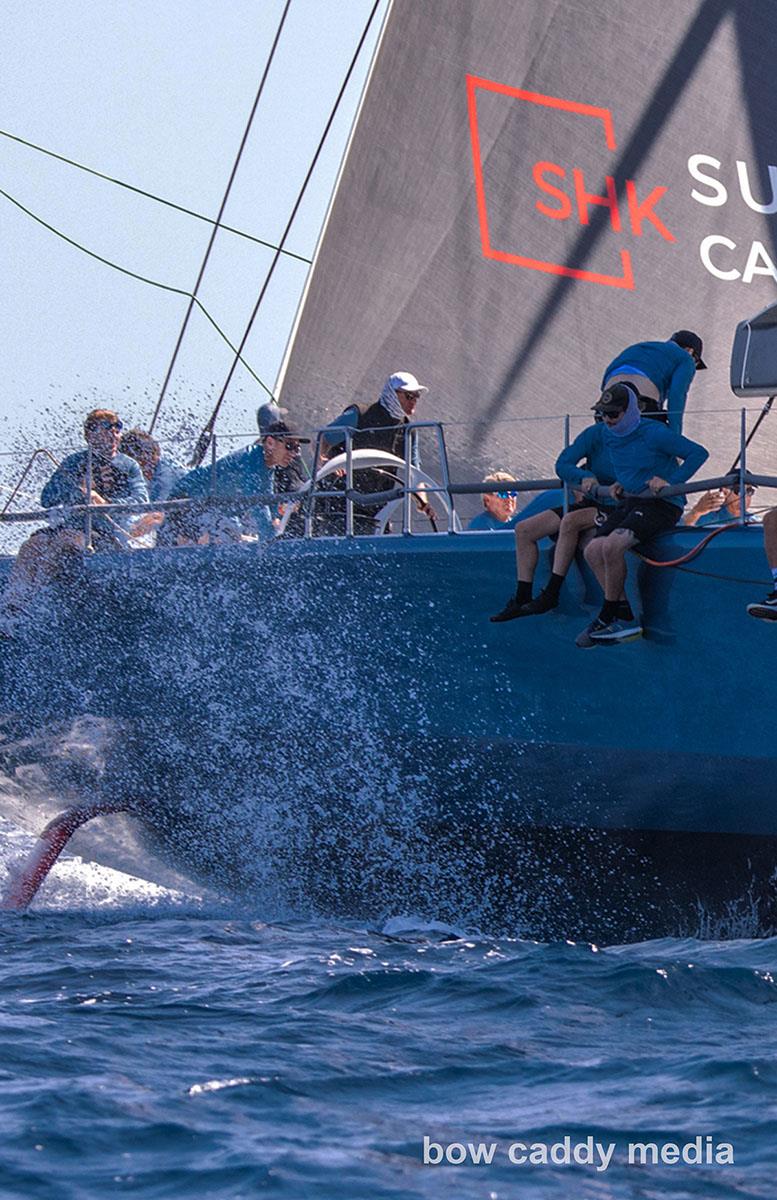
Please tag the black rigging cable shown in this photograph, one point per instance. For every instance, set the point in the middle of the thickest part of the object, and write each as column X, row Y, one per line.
column 214, row 231
column 165, row 287
column 130, row 187
column 767, row 408
column 204, row 439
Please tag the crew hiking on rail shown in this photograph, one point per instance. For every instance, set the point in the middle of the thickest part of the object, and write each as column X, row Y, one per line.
column 616, row 469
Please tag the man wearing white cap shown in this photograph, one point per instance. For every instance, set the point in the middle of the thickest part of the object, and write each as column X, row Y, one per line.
column 394, row 407
column 379, row 426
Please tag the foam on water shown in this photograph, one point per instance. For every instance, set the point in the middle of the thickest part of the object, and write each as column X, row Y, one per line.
column 74, row 883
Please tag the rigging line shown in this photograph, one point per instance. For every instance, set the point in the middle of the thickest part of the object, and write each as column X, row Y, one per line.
column 691, row 554
column 165, row 287
column 767, row 408
column 204, row 438
column 150, row 196
column 214, row 230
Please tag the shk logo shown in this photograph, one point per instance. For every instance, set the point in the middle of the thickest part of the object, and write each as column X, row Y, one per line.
column 564, row 193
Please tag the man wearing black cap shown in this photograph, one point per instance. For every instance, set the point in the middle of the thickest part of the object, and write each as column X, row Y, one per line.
column 287, row 479
column 662, row 373
column 248, row 472
column 644, row 456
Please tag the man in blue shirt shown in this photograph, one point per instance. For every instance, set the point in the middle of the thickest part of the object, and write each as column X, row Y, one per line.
column 583, row 464
column 500, row 509
column 159, row 474
column 116, row 479
column 662, row 373
column 719, row 507
column 644, row 455
column 248, row 472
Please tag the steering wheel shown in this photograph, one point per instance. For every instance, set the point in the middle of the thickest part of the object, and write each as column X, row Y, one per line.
column 383, row 461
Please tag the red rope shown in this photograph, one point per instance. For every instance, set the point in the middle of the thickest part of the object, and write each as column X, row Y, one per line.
column 697, row 549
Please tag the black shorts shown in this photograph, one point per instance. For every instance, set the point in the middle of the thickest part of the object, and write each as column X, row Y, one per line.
column 645, row 518
column 584, row 503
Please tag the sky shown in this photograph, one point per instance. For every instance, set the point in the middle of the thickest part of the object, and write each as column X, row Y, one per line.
column 158, row 95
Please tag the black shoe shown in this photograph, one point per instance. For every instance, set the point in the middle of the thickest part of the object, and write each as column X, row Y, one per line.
column 541, row 604
column 510, row 611
column 767, row 609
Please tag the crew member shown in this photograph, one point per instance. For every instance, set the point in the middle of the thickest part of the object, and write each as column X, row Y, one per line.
column 379, row 426
column 500, row 509
column 644, row 456
column 719, row 507
column 584, row 464
column 247, row 472
column 662, row 373
column 116, row 479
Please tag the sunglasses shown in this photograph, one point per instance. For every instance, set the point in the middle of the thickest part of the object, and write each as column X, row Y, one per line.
column 113, row 425
column 410, row 395
column 506, row 495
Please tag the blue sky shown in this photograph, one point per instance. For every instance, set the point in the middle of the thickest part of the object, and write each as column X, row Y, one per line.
column 157, row 95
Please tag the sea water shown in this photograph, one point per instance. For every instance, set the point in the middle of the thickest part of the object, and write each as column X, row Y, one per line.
column 153, row 1045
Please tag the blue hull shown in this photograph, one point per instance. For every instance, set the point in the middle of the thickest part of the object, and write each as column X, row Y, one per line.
column 338, row 722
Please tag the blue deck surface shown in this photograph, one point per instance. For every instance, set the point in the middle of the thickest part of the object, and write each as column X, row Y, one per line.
column 341, row 722
column 311, row 632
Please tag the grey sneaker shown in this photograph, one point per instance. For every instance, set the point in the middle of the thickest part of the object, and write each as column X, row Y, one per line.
column 767, row 609
column 616, row 631
column 584, row 638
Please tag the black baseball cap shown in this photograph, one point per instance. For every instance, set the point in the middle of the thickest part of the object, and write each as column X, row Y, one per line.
column 280, row 430
column 689, row 340
column 614, row 399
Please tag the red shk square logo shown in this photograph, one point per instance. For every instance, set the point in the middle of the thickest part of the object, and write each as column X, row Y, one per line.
column 519, row 255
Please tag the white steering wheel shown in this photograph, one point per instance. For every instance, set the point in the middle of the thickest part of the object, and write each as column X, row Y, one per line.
column 362, row 459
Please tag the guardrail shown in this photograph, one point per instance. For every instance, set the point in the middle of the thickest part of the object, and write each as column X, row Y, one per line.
column 308, row 496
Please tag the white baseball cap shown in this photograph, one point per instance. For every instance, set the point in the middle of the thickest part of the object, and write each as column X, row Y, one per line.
column 403, row 381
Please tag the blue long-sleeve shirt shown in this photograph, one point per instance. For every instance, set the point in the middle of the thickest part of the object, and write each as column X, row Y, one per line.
column 243, row 473
column 653, row 449
column 669, row 367
column 590, row 448
column 118, row 479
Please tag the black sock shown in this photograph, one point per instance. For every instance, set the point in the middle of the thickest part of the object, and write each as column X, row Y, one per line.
column 523, row 591
column 609, row 611
column 552, row 588
column 624, row 611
